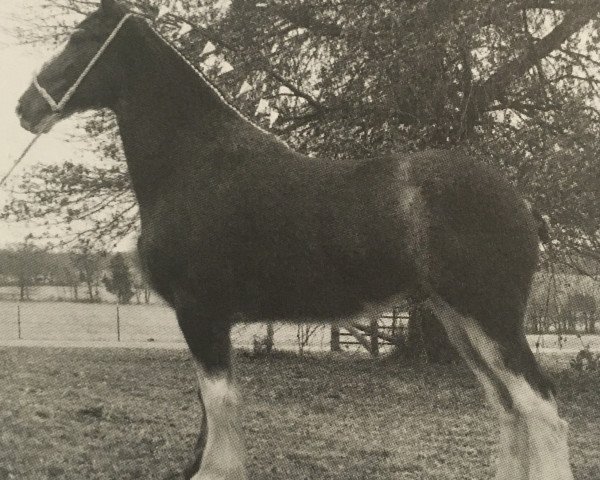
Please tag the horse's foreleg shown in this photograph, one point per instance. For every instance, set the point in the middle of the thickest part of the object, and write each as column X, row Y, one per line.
column 222, row 451
column 219, row 451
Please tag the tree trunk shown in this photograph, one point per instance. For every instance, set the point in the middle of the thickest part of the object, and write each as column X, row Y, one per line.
column 427, row 337
column 270, row 340
column 90, row 288
column 590, row 323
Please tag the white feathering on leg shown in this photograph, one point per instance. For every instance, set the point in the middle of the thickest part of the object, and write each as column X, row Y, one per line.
column 224, row 455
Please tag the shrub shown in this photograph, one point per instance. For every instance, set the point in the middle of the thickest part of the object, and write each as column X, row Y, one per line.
column 586, row 360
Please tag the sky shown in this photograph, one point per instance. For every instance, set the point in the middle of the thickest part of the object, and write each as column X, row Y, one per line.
column 18, row 66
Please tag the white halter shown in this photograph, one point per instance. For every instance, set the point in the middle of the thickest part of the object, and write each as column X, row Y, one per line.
column 57, row 107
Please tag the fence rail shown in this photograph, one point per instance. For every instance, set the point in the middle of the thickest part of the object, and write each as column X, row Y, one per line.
column 104, row 322
column 379, row 333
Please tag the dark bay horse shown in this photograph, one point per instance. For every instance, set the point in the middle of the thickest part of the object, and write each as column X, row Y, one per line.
column 235, row 226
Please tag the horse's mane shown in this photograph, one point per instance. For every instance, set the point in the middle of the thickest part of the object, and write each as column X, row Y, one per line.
column 188, row 69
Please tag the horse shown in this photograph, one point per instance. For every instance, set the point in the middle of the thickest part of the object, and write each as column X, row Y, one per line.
column 238, row 227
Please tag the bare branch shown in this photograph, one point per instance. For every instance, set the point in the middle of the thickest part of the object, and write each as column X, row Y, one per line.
column 259, row 60
column 495, row 86
column 302, row 16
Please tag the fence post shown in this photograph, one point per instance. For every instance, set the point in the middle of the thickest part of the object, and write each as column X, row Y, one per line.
column 394, row 321
column 19, row 321
column 118, row 324
column 374, row 338
column 335, row 338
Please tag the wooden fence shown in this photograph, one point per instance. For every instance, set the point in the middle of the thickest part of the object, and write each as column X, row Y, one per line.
column 386, row 330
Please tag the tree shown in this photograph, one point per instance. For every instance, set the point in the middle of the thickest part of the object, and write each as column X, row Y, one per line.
column 543, row 309
column 581, row 306
column 65, row 273
column 141, row 285
column 88, row 265
column 23, row 264
column 399, row 75
column 119, row 283
column 263, row 345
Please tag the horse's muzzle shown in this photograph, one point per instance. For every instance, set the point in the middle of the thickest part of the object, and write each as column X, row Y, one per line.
column 41, row 123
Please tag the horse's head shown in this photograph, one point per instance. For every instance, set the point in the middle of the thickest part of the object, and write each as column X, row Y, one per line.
column 78, row 78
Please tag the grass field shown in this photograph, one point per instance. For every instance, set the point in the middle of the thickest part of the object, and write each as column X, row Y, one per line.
column 132, row 414
column 82, row 322
column 97, row 322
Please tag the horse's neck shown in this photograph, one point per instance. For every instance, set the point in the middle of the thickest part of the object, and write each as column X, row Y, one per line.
column 165, row 107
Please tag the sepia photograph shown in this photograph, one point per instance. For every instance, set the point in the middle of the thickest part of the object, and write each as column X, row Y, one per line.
column 300, row 240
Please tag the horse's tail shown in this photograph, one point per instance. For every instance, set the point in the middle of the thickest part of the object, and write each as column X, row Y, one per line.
column 543, row 229
column 541, row 224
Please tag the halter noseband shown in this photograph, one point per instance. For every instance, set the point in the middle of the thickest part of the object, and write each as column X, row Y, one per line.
column 58, row 107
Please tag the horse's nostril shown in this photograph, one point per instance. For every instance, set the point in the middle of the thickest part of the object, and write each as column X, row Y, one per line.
column 19, row 109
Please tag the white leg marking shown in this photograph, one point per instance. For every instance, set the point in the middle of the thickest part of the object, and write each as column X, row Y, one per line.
column 224, row 453
column 512, row 461
column 533, row 438
column 536, row 430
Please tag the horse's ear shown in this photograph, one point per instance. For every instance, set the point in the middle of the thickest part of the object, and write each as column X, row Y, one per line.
column 112, row 7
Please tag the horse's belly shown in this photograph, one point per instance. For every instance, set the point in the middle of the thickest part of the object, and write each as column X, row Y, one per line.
column 324, row 293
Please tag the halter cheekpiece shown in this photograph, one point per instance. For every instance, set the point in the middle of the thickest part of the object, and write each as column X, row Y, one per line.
column 58, row 107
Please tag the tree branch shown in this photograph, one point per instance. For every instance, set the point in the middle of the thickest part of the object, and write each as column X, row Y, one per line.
column 494, row 88
column 302, row 16
column 261, row 61
column 580, row 56
column 550, row 4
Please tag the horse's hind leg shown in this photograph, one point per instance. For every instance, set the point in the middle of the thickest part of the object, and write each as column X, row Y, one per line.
column 533, row 439
column 219, row 451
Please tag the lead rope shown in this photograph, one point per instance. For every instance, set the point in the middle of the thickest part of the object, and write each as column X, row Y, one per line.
column 57, row 107
column 21, row 157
